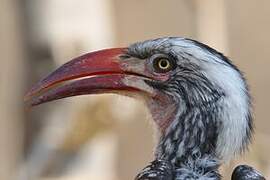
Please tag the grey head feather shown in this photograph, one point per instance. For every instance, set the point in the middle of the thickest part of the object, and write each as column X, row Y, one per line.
column 213, row 122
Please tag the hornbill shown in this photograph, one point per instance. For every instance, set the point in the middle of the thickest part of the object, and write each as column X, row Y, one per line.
column 197, row 97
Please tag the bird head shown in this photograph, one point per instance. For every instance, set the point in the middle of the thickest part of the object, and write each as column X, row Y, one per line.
column 196, row 96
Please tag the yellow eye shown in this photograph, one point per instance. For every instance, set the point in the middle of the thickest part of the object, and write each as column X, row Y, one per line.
column 162, row 64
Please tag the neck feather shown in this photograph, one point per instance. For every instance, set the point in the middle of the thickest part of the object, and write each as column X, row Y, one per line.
column 189, row 142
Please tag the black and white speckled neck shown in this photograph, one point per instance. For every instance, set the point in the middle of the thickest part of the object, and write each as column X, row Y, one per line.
column 213, row 120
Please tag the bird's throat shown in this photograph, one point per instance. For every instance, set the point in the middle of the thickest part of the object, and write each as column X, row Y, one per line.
column 190, row 140
column 163, row 110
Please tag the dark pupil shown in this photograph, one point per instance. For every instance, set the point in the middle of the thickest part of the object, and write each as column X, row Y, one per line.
column 164, row 63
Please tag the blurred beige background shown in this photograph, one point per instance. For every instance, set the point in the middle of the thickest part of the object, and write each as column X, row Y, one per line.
column 110, row 137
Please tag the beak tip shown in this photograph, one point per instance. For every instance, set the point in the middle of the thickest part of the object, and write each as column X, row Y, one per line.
column 31, row 102
column 27, row 97
column 90, row 65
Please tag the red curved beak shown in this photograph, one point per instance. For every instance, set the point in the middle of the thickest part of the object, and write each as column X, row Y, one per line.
column 97, row 72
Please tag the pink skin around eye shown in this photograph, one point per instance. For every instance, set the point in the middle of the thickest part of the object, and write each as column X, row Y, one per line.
column 143, row 68
column 157, row 76
column 161, row 77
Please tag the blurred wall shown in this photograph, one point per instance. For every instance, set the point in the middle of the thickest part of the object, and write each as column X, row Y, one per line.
column 11, row 86
column 249, row 43
column 60, row 30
